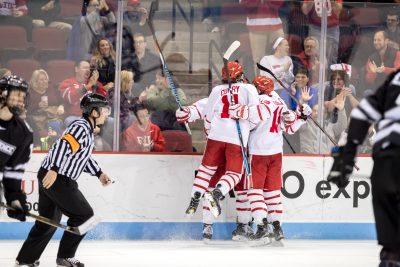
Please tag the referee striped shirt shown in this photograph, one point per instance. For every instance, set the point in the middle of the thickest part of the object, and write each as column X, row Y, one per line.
column 383, row 108
column 71, row 154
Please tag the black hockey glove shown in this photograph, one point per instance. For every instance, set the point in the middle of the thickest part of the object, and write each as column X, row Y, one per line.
column 342, row 165
column 17, row 201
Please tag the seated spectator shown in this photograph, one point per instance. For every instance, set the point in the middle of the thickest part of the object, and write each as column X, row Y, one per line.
column 309, row 59
column 393, row 29
column 93, row 24
column 127, row 99
column 74, row 88
column 143, row 63
column 103, row 60
column 337, row 90
column 162, row 104
column 301, row 91
column 279, row 63
column 142, row 135
column 44, row 109
column 45, row 13
column 15, row 12
column 309, row 131
column 382, row 62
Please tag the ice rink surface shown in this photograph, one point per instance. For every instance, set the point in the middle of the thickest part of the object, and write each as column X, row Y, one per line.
column 296, row 253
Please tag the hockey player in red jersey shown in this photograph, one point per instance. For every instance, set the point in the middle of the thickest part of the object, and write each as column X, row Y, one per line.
column 265, row 148
column 223, row 143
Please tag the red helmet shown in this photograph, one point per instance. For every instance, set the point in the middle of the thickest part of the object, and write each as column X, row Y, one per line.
column 263, row 84
column 235, row 71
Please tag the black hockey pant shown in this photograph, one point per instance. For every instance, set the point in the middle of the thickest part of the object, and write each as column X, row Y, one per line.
column 63, row 197
column 385, row 182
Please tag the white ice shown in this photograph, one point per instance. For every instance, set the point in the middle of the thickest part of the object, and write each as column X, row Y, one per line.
column 296, row 253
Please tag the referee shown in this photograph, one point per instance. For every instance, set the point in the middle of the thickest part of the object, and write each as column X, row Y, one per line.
column 58, row 189
column 382, row 108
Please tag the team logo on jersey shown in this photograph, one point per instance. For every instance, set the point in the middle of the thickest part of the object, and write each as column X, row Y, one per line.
column 7, row 148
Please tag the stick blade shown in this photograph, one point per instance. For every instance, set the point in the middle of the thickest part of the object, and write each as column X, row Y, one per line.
column 232, row 48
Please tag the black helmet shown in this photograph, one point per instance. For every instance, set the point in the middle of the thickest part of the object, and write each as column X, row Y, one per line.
column 8, row 83
column 92, row 101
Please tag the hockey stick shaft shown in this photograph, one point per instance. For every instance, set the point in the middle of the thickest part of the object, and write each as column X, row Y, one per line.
column 45, row 220
column 232, row 48
column 261, row 67
column 289, row 144
column 167, row 73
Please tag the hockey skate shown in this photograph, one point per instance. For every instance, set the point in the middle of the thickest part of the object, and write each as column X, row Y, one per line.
column 69, row 262
column 213, row 199
column 207, row 233
column 276, row 234
column 261, row 237
column 21, row 264
column 243, row 232
column 194, row 203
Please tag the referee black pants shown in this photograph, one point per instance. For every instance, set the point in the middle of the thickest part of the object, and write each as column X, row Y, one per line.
column 385, row 182
column 63, row 197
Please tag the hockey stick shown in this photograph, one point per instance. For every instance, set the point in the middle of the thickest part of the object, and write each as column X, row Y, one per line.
column 232, row 48
column 80, row 230
column 289, row 144
column 165, row 67
column 261, row 67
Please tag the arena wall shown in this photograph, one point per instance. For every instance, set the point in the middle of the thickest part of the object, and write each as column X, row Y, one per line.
column 151, row 193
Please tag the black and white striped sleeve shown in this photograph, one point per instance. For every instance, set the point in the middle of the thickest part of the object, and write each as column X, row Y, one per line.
column 68, row 144
column 93, row 167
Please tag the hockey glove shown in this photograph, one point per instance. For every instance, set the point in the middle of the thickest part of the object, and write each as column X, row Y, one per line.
column 289, row 117
column 182, row 115
column 239, row 112
column 303, row 111
column 342, row 165
column 17, row 201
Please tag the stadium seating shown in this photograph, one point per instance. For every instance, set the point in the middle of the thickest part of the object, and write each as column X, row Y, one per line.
column 177, row 141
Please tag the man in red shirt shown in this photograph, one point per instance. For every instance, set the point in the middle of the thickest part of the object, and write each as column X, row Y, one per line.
column 142, row 135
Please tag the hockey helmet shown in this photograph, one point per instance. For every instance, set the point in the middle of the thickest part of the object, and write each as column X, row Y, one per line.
column 9, row 83
column 263, row 84
column 235, row 71
column 93, row 101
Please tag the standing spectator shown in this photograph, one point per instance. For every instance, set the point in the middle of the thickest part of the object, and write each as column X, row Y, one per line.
column 143, row 63
column 93, row 24
column 15, row 12
column 142, row 135
column 44, row 107
column 73, row 89
column 393, row 29
column 301, row 91
column 279, row 63
column 103, row 60
column 212, row 14
column 309, row 131
column 264, row 25
column 162, row 103
column 382, row 62
column 338, row 87
column 309, row 59
column 127, row 99
column 314, row 12
column 46, row 13
column 135, row 18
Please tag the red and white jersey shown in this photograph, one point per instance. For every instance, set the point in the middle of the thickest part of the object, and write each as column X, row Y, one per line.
column 197, row 110
column 266, row 138
column 219, row 125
